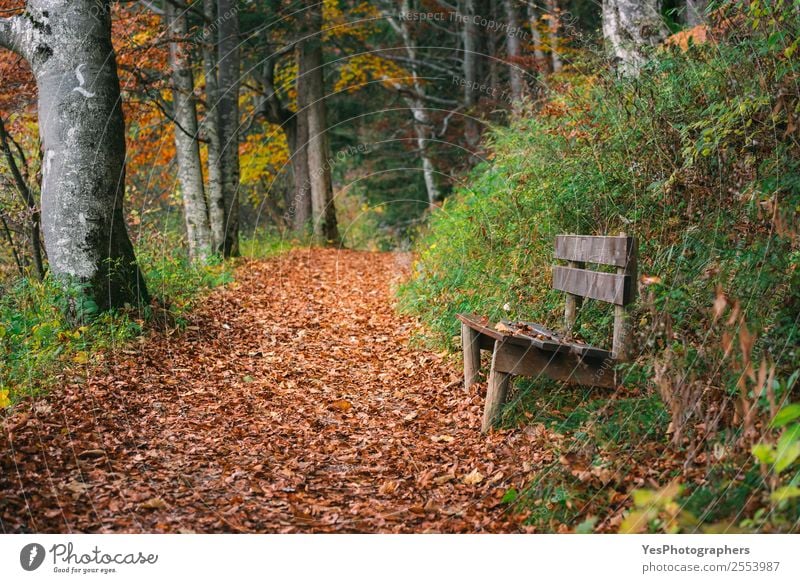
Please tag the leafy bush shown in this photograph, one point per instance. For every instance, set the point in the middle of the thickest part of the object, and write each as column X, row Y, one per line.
column 697, row 158
column 40, row 337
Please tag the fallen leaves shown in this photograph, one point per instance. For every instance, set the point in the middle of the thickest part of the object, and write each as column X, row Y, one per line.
column 292, row 403
column 342, row 405
column 154, row 504
column 473, row 478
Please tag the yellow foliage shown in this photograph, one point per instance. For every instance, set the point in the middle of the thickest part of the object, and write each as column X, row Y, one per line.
column 263, row 156
column 285, row 85
column 359, row 70
column 358, row 24
column 4, row 400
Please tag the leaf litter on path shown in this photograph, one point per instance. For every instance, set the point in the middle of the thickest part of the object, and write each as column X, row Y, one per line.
column 292, row 402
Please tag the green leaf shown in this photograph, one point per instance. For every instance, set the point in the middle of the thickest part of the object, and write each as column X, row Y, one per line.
column 642, row 498
column 764, row 452
column 510, row 496
column 587, row 526
column 785, row 493
column 788, row 449
column 787, row 414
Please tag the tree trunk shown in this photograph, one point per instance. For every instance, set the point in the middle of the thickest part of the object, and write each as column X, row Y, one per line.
column 695, row 12
column 68, row 45
column 228, row 105
column 630, row 28
column 297, row 138
column 553, row 23
column 319, row 165
column 492, row 48
column 187, row 148
column 422, row 124
column 216, row 202
column 470, row 38
column 542, row 64
column 513, row 51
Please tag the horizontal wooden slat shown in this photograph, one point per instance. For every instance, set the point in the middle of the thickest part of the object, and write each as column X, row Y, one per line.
column 568, row 367
column 606, row 287
column 603, row 250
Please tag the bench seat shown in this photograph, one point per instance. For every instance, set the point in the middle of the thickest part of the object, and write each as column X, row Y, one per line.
column 530, row 349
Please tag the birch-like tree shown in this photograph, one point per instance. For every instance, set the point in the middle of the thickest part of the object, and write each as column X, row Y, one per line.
column 187, row 146
column 631, row 28
column 214, row 194
column 68, row 46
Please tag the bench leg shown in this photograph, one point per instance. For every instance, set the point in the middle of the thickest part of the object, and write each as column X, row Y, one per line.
column 496, row 393
column 471, row 346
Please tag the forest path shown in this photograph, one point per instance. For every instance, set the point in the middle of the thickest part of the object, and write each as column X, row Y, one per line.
column 292, row 403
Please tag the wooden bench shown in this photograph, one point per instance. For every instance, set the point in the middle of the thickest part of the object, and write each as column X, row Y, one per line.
column 529, row 349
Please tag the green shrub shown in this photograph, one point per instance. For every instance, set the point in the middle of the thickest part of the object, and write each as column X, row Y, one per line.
column 691, row 158
column 40, row 337
column 698, row 158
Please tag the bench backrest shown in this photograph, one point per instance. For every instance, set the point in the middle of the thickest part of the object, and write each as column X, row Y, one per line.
column 615, row 288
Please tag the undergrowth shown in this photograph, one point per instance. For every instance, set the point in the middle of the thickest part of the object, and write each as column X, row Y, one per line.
column 41, row 337
column 697, row 158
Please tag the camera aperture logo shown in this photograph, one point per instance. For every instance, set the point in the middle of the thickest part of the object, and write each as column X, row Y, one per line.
column 68, row 560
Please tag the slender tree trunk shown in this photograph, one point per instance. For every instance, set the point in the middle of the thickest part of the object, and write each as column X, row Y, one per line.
column 630, row 28
column 470, row 38
column 695, row 12
column 26, row 195
column 216, row 202
column 297, row 138
column 553, row 24
column 187, row 147
column 228, row 105
column 300, row 205
column 491, row 47
column 319, row 165
column 422, row 123
column 513, row 51
column 68, row 45
column 536, row 38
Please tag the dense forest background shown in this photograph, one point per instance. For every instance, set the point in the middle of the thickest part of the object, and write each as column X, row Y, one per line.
column 469, row 133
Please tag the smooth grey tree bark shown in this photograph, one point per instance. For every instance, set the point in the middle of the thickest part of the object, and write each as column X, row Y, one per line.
column 630, row 29
column 536, row 36
column 68, row 46
column 297, row 139
column 187, row 146
column 319, row 165
column 423, row 127
column 228, row 64
column 216, row 202
column 470, row 39
column 695, row 13
column 513, row 51
column 552, row 25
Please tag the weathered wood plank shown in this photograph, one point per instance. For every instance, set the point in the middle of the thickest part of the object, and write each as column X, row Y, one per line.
column 621, row 344
column 572, row 302
column 496, row 392
column 607, row 287
column 470, row 345
column 614, row 251
column 550, row 343
column 567, row 367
